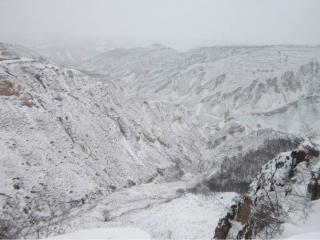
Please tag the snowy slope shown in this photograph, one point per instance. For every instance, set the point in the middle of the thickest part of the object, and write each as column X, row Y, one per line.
column 68, row 139
column 151, row 117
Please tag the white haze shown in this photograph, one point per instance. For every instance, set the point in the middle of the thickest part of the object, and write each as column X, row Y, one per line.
column 178, row 23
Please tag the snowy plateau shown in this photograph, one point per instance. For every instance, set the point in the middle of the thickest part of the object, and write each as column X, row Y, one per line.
column 154, row 143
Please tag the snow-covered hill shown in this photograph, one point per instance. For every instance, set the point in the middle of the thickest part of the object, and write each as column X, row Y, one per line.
column 247, row 97
column 67, row 138
column 222, row 83
column 71, row 54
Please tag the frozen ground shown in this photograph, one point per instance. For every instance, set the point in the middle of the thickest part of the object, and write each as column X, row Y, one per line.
column 158, row 209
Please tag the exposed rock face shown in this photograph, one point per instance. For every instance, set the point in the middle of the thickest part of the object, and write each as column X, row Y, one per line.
column 244, row 210
column 224, row 225
column 273, row 196
column 314, row 184
column 314, row 188
column 238, row 212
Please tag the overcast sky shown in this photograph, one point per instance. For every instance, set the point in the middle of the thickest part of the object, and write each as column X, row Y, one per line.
column 184, row 23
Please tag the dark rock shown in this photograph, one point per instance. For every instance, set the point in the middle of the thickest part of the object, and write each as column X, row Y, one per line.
column 279, row 164
column 298, row 156
column 224, row 225
column 314, row 189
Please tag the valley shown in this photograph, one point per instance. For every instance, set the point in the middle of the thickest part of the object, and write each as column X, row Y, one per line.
column 151, row 138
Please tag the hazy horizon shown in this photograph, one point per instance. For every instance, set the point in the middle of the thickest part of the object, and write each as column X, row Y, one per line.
column 181, row 24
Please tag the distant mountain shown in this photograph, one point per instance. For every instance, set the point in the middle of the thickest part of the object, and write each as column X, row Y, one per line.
column 69, row 55
column 258, row 86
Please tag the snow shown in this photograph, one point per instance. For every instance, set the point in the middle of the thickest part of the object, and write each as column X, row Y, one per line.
column 307, row 235
column 106, row 233
column 158, row 210
column 152, row 114
column 309, row 228
column 188, row 217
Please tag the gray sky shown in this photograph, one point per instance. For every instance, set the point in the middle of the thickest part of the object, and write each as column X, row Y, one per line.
column 179, row 23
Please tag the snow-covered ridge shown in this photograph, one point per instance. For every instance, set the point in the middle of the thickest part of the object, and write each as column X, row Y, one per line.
column 223, row 83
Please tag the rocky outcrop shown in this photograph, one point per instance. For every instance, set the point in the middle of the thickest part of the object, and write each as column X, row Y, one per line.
column 282, row 188
column 314, row 188
column 238, row 212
